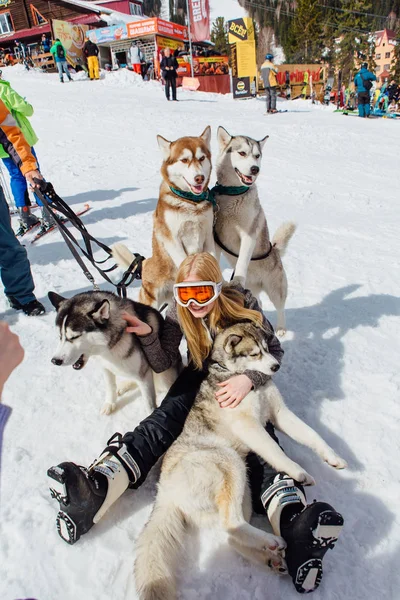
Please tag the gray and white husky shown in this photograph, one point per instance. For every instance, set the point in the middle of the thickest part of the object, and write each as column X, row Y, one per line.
column 90, row 324
column 241, row 226
column 203, row 475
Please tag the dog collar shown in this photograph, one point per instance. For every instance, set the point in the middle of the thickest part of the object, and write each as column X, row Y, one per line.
column 230, row 190
column 207, row 195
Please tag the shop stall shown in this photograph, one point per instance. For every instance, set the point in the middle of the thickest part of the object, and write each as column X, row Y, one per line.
column 153, row 36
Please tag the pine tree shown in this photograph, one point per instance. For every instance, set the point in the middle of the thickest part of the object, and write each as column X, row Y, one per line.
column 307, row 32
column 219, row 36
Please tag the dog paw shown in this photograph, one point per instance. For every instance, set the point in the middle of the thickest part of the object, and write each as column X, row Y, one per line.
column 335, row 461
column 126, row 387
column 279, row 566
column 107, row 408
column 304, row 478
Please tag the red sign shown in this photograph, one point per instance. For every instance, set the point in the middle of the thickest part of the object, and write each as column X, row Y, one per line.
column 149, row 26
column 199, row 20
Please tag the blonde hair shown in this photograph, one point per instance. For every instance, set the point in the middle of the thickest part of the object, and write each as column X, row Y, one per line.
column 228, row 308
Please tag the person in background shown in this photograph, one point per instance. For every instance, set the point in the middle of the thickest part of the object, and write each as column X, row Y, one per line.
column 136, row 57
column 15, row 270
column 11, row 355
column 363, row 82
column 46, row 44
column 169, row 65
column 392, row 90
column 21, row 109
column 91, row 52
column 268, row 73
column 60, row 58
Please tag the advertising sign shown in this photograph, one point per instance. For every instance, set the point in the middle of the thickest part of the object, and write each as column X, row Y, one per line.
column 73, row 38
column 149, row 26
column 204, row 65
column 240, row 30
column 243, row 57
column 199, row 20
column 163, row 42
column 108, row 34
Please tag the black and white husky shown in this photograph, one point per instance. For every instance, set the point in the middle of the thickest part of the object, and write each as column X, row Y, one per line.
column 241, row 230
column 90, row 324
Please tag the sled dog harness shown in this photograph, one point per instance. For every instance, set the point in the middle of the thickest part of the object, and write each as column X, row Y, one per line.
column 206, row 195
column 225, row 249
column 230, row 190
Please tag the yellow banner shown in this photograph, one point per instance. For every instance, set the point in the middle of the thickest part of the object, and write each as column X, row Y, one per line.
column 240, row 30
column 246, row 59
column 163, row 42
column 72, row 38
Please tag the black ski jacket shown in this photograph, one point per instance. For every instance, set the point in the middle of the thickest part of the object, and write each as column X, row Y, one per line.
column 90, row 49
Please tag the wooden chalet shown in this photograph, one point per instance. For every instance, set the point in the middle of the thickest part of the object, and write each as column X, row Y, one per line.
column 27, row 20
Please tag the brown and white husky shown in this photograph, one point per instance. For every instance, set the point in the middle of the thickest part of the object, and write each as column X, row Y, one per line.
column 183, row 219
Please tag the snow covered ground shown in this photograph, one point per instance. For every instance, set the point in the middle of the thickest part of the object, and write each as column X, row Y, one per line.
column 338, row 178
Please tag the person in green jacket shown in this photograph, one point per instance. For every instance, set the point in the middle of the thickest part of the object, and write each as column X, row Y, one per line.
column 20, row 110
column 60, row 58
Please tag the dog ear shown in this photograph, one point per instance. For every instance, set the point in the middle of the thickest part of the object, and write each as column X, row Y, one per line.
column 55, row 299
column 232, row 341
column 165, row 146
column 206, row 135
column 101, row 312
column 223, row 137
column 262, row 142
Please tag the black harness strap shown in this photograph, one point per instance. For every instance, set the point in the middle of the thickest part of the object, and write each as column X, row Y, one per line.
column 51, row 201
column 221, row 245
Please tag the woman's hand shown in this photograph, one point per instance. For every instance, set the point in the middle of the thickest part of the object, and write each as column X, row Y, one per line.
column 135, row 325
column 233, row 390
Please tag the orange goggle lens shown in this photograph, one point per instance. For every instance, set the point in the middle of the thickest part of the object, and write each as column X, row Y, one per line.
column 199, row 293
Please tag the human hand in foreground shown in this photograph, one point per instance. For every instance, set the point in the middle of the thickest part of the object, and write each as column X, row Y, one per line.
column 135, row 325
column 233, row 390
column 31, row 175
column 11, row 353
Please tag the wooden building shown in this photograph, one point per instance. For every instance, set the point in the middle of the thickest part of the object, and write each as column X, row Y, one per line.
column 27, row 20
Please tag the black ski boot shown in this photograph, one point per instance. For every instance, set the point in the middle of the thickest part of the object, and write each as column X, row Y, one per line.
column 34, row 308
column 309, row 531
column 85, row 494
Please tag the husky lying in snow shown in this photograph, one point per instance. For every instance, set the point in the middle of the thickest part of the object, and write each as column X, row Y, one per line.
column 203, row 475
column 91, row 324
column 241, row 226
column 183, row 219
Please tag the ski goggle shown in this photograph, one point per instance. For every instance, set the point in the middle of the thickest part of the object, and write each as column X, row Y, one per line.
column 200, row 293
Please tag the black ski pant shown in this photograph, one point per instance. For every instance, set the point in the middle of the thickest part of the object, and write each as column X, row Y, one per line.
column 170, row 84
column 364, row 100
column 153, row 436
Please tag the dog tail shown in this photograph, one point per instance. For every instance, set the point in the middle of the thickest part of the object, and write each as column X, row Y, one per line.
column 282, row 236
column 122, row 255
column 157, row 553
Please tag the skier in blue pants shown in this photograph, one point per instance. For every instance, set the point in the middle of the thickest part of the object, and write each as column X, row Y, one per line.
column 363, row 82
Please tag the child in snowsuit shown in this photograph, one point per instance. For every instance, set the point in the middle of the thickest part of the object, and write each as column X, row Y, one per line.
column 21, row 109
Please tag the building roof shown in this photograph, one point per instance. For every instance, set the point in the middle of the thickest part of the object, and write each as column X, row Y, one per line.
column 26, row 33
column 114, row 17
column 391, row 35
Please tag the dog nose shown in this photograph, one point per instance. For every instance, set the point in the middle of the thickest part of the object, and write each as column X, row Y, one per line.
column 57, row 361
column 275, row 368
column 199, row 179
column 254, row 170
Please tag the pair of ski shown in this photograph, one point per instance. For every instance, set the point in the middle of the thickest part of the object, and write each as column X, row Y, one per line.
column 41, row 234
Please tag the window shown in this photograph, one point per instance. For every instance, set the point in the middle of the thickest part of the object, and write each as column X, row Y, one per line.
column 6, row 24
column 38, row 18
column 377, row 69
column 386, row 67
column 377, row 56
column 135, row 9
column 387, row 54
